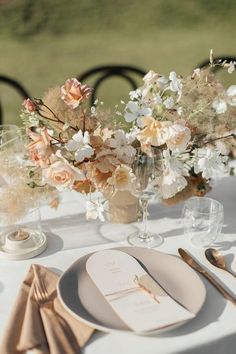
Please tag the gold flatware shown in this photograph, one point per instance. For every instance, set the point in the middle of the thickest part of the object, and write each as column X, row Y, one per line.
column 217, row 259
column 193, row 264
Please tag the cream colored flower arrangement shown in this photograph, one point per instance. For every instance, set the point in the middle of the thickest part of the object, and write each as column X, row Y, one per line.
column 190, row 122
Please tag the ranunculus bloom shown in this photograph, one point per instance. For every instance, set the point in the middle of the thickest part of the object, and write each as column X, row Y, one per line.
column 178, row 137
column 62, row 175
column 73, row 92
column 40, row 148
column 29, row 105
column 123, row 178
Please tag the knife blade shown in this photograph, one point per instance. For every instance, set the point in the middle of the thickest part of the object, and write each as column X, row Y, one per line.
column 187, row 258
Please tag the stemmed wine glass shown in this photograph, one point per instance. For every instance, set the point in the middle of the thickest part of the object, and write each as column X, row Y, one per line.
column 144, row 168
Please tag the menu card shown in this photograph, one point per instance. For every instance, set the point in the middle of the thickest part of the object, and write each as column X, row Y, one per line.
column 137, row 299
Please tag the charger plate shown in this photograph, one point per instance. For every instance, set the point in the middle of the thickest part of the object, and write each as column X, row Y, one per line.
column 80, row 296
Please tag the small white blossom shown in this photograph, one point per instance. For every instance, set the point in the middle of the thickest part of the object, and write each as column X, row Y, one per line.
column 132, row 135
column 196, row 73
column 79, row 144
column 208, row 161
column 135, row 95
column 231, row 93
column 169, row 103
column 219, row 105
column 175, row 83
column 94, row 210
column 133, row 111
column 120, row 145
column 231, row 67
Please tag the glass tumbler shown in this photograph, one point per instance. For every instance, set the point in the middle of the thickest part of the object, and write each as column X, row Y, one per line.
column 203, row 220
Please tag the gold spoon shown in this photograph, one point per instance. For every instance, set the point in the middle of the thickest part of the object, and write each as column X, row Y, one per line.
column 217, row 259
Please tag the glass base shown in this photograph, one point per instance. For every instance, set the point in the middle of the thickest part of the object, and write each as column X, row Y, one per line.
column 149, row 239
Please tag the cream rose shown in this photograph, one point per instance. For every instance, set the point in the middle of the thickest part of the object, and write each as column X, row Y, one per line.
column 62, row 175
column 122, row 178
column 73, row 92
column 178, row 137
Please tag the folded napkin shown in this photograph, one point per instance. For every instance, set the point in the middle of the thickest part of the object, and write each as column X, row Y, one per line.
column 43, row 326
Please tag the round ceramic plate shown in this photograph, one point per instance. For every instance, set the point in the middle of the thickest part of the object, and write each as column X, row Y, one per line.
column 38, row 246
column 80, row 296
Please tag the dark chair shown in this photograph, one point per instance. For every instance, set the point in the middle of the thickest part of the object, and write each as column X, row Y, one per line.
column 15, row 85
column 102, row 73
column 227, row 58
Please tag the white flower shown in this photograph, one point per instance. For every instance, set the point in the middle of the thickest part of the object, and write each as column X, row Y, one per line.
column 172, row 180
column 80, row 145
column 219, row 105
column 208, row 161
column 94, row 210
column 196, row 73
column 132, row 135
column 231, row 93
column 133, row 111
column 120, row 145
column 169, row 102
column 178, row 137
column 135, row 95
column 231, row 67
column 175, row 83
column 150, row 78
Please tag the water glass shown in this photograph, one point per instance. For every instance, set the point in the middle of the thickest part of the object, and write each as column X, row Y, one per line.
column 203, row 220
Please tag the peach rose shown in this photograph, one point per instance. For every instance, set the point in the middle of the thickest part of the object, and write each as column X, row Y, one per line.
column 73, row 92
column 29, row 105
column 61, row 175
column 40, row 148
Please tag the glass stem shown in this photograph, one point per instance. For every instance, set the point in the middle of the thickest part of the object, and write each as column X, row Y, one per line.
column 144, row 204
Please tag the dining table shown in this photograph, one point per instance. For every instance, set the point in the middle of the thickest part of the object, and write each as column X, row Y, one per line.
column 70, row 236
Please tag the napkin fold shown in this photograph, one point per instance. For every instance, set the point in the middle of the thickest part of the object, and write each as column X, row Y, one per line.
column 44, row 326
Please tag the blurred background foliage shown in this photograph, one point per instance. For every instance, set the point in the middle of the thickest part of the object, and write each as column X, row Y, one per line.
column 44, row 42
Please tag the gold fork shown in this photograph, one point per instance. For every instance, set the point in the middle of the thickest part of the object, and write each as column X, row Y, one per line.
column 59, row 334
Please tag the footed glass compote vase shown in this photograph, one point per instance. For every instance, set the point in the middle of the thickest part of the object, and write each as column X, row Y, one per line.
column 144, row 170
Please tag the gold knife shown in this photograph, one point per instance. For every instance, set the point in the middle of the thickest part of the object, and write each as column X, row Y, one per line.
column 193, row 264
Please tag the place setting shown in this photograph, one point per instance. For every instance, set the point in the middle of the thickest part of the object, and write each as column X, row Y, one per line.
column 157, row 147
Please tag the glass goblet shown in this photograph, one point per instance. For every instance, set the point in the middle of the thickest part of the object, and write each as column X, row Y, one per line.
column 144, row 170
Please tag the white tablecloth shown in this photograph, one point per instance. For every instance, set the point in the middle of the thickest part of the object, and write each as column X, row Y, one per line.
column 70, row 236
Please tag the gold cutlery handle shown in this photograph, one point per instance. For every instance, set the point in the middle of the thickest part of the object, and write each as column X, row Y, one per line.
column 219, row 287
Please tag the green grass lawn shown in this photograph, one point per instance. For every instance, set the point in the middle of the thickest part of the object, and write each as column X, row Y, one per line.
column 47, row 59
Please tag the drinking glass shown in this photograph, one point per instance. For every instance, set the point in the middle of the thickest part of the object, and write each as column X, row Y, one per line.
column 11, row 143
column 203, row 220
column 144, row 170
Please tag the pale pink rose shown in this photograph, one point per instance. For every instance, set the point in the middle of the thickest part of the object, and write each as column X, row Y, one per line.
column 73, row 92
column 61, row 175
column 40, row 148
column 29, row 105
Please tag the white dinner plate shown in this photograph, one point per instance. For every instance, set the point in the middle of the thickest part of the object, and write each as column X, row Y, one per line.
column 80, row 296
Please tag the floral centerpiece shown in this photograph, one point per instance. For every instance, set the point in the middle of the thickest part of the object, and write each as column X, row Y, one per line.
column 190, row 122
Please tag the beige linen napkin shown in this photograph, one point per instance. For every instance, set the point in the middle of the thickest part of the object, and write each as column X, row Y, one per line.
column 46, row 328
